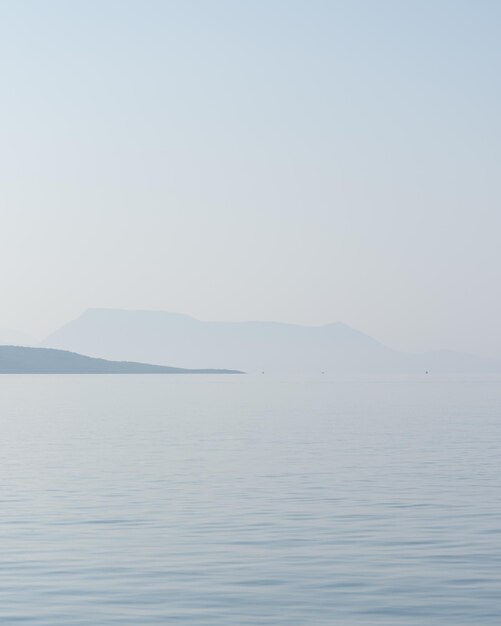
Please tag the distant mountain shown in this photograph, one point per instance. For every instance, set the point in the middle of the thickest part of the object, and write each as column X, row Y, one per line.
column 160, row 337
column 18, row 360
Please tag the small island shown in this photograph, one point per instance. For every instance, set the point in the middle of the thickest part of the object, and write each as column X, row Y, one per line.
column 21, row 360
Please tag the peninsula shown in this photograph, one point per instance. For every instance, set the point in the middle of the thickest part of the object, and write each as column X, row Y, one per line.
column 21, row 360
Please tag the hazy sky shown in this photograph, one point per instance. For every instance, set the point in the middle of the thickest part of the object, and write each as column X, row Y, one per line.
column 302, row 161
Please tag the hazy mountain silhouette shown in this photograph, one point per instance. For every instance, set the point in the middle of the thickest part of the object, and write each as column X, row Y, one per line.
column 20, row 360
column 160, row 337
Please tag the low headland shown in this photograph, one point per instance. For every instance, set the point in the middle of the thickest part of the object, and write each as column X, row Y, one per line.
column 22, row 360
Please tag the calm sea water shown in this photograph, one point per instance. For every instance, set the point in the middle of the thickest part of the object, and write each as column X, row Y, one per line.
column 220, row 500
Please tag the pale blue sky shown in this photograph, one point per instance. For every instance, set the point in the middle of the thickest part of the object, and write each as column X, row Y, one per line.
column 303, row 161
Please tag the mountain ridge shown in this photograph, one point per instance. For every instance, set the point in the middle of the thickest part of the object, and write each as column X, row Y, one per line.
column 253, row 346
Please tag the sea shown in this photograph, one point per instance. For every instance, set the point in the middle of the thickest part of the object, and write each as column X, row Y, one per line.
column 252, row 500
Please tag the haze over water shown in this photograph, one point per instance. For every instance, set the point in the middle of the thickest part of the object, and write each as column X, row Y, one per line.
column 139, row 500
